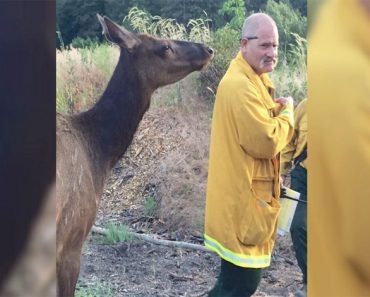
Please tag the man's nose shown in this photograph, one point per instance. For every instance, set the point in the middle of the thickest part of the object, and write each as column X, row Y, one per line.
column 272, row 52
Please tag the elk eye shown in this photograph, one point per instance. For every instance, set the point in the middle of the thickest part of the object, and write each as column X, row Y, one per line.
column 166, row 48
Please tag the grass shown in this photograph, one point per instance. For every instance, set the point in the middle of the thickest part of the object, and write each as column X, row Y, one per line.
column 86, row 250
column 290, row 81
column 82, row 75
column 197, row 30
column 117, row 233
column 185, row 190
column 99, row 289
column 150, row 206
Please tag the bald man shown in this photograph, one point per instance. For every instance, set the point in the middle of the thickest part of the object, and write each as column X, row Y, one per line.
column 249, row 129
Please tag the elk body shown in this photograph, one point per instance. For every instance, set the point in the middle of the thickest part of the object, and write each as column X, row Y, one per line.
column 90, row 143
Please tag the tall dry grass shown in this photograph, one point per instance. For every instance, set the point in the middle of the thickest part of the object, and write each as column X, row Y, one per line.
column 182, row 173
column 82, row 75
column 196, row 30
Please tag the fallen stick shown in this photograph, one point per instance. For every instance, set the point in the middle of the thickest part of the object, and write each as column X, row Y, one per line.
column 178, row 244
column 151, row 239
column 181, row 277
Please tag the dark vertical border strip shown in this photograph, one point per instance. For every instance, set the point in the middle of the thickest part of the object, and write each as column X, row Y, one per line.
column 27, row 119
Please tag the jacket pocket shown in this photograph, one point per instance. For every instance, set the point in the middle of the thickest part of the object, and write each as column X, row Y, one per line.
column 258, row 223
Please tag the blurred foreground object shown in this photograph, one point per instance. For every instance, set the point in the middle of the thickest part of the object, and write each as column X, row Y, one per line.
column 339, row 161
column 34, row 271
column 27, row 148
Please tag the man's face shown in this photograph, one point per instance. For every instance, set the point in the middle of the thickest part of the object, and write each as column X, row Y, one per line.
column 261, row 51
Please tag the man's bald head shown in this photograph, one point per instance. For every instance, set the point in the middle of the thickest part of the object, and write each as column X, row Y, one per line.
column 255, row 21
column 259, row 42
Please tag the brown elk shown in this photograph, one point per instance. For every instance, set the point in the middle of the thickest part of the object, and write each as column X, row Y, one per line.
column 90, row 143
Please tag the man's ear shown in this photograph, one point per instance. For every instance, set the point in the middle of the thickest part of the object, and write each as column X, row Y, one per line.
column 117, row 34
column 243, row 42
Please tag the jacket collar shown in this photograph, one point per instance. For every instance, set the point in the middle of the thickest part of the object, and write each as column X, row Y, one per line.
column 263, row 81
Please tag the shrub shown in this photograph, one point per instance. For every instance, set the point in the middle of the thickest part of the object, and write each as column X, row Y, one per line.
column 235, row 10
column 288, row 21
column 88, row 42
column 225, row 42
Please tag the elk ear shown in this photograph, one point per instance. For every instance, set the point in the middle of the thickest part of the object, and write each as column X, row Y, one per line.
column 117, row 34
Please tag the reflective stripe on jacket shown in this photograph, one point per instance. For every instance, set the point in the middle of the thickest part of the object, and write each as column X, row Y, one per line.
column 248, row 131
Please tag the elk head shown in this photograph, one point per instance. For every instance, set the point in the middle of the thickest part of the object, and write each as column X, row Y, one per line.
column 158, row 62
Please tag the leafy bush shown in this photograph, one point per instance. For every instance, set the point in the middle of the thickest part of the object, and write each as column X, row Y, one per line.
column 235, row 10
column 288, row 22
column 88, row 42
column 225, row 42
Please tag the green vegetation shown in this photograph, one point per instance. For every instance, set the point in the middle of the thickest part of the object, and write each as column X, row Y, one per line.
column 77, row 18
column 185, row 190
column 82, row 75
column 235, row 11
column 150, row 206
column 290, row 24
column 197, row 30
column 86, row 250
column 290, row 79
column 85, row 66
column 225, row 42
column 99, row 289
column 117, row 233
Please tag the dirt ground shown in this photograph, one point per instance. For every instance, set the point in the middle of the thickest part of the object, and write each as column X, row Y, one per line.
column 143, row 269
column 167, row 161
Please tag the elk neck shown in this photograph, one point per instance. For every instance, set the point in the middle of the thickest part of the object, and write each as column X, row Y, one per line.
column 110, row 125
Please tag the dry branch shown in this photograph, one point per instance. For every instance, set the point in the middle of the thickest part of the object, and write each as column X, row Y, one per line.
column 151, row 239
column 177, row 244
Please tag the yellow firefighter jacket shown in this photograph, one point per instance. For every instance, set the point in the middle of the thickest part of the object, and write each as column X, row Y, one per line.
column 298, row 141
column 248, row 132
column 339, row 160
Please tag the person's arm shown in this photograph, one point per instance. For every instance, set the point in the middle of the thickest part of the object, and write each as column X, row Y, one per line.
column 287, row 154
column 286, row 157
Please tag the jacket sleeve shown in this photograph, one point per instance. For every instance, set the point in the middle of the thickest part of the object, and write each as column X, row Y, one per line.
column 286, row 157
column 261, row 135
column 287, row 154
